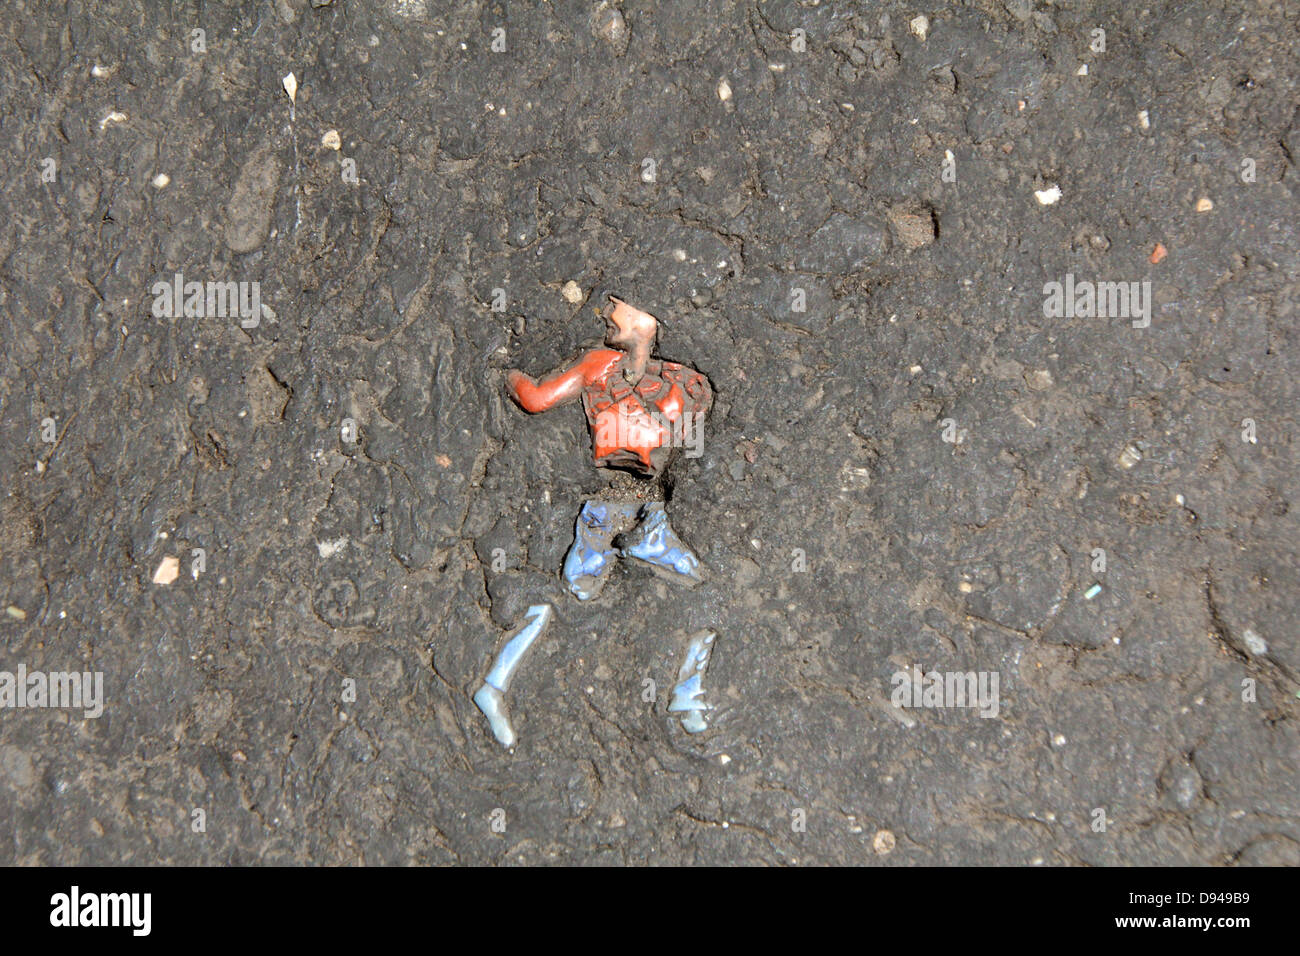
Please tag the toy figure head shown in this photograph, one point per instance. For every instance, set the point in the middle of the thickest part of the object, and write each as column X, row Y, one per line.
column 628, row 328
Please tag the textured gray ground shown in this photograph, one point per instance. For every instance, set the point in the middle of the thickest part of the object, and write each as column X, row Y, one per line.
column 521, row 170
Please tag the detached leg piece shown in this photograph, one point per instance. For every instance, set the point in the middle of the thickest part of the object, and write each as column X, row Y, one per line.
column 656, row 545
column 688, row 692
column 490, row 698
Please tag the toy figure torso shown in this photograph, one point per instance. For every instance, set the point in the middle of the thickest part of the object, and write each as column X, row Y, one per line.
column 634, row 426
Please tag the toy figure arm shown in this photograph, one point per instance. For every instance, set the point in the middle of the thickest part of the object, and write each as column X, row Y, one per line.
column 563, row 385
column 537, row 396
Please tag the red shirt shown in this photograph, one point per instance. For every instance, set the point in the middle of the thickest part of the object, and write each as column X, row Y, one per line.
column 632, row 426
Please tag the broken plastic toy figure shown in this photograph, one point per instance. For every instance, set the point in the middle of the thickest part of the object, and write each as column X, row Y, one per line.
column 640, row 411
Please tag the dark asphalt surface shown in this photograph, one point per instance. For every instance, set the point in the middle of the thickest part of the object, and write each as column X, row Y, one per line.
column 916, row 469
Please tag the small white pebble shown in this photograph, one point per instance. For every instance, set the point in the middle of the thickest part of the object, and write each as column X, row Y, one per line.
column 161, row 181
column 1144, row 119
column 290, row 84
column 1254, row 643
column 168, row 571
column 1082, row 71
column 1047, row 197
column 1204, row 204
column 572, row 292
column 724, row 90
column 920, row 26
column 1058, row 740
column 113, row 117
column 883, row 842
column 328, row 549
column 1040, row 379
column 331, row 140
